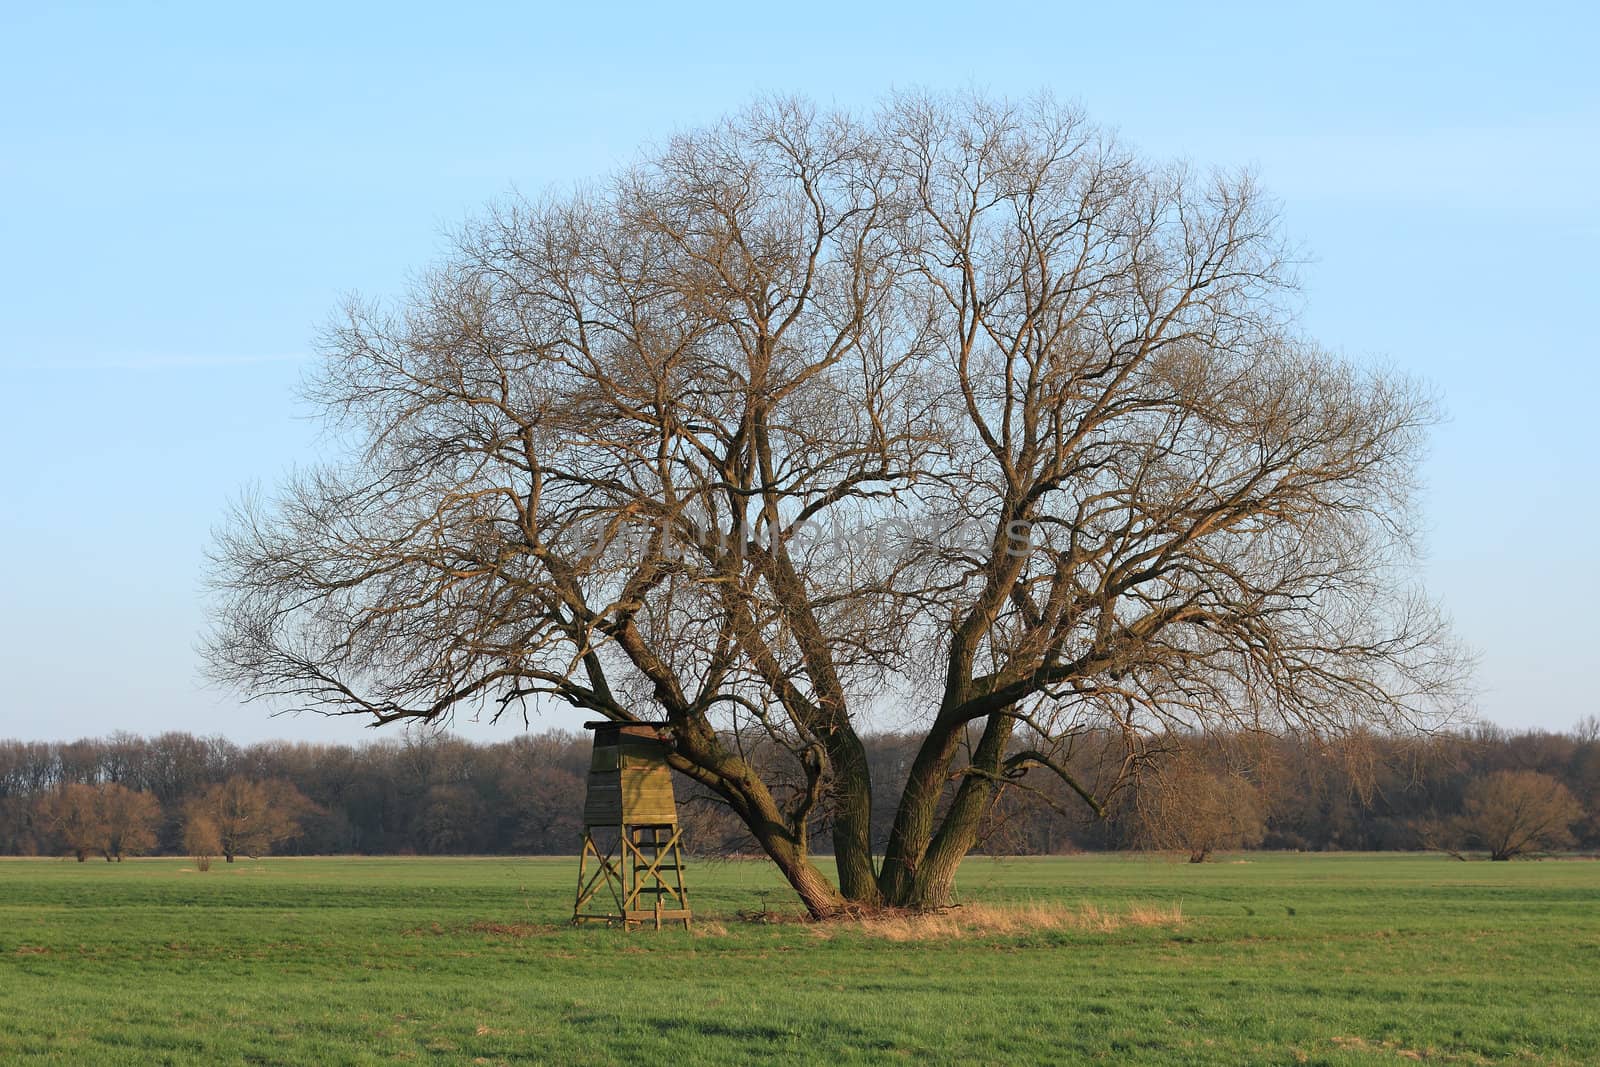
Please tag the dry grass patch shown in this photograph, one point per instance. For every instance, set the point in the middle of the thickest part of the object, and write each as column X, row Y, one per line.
column 516, row 931
column 1359, row 1044
column 1003, row 920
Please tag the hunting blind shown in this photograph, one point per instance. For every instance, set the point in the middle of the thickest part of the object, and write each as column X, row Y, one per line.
column 631, row 867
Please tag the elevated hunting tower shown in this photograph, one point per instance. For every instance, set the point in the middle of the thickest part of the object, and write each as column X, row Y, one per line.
column 631, row 868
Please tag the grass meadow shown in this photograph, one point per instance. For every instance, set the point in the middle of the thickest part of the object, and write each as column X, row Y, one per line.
column 1256, row 959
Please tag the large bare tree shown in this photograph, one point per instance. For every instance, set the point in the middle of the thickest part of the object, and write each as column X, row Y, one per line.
column 958, row 413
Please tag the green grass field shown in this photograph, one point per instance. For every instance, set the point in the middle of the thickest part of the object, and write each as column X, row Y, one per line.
column 1276, row 959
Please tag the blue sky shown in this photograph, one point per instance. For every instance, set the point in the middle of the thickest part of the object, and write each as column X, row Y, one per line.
column 186, row 192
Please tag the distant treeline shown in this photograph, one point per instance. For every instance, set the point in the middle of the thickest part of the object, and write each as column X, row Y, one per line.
column 445, row 795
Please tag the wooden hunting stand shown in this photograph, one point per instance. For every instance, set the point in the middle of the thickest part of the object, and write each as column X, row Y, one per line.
column 631, row 839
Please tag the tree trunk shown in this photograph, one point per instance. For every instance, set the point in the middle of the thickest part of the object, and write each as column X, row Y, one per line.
column 821, row 899
column 933, row 885
column 852, row 820
column 920, row 866
column 912, row 831
column 851, row 792
column 750, row 799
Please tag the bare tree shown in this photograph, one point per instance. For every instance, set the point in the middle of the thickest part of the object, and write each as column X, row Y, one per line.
column 1587, row 730
column 248, row 817
column 129, row 820
column 73, row 814
column 961, row 410
column 201, row 839
column 1514, row 813
column 109, row 819
column 1188, row 806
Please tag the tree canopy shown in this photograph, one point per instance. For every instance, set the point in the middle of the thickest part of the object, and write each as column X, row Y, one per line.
column 1513, row 813
column 959, row 414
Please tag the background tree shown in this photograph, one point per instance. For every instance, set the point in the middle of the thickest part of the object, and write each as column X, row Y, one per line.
column 1581, row 775
column 960, row 408
column 73, row 815
column 25, row 776
column 544, row 782
column 1587, row 730
column 1513, row 813
column 130, row 821
column 250, row 817
column 455, row 820
column 1191, row 807
column 1375, row 791
column 201, row 839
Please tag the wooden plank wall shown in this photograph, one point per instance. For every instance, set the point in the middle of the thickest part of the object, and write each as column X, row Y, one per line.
column 629, row 782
